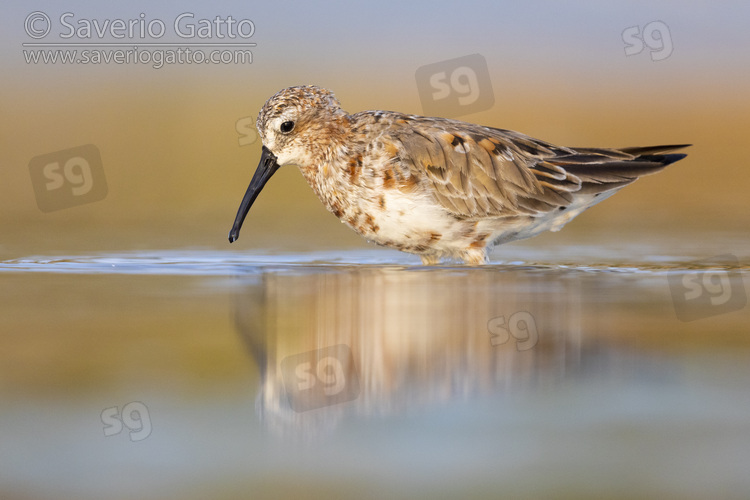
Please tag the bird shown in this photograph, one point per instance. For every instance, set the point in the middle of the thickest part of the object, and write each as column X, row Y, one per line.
column 440, row 188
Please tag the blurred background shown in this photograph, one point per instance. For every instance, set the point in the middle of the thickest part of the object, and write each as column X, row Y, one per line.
column 143, row 356
column 177, row 162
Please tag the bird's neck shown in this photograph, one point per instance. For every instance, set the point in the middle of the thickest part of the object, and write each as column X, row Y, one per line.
column 325, row 174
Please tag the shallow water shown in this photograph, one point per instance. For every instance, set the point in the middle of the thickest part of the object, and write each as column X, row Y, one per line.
column 193, row 374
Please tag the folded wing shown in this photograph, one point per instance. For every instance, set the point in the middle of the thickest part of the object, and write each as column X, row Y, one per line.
column 480, row 172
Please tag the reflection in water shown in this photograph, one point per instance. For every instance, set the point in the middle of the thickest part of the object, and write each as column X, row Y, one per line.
column 385, row 341
column 516, row 379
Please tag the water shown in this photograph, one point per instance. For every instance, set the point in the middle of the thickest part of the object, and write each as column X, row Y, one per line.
column 194, row 374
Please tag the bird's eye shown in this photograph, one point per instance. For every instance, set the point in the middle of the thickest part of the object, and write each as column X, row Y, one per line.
column 287, row 127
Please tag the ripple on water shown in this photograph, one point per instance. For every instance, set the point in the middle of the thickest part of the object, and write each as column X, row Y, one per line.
column 217, row 263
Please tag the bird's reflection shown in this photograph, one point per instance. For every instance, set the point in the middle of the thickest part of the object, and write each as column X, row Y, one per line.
column 332, row 342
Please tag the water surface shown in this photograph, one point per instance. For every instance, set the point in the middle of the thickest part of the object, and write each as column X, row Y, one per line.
column 329, row 374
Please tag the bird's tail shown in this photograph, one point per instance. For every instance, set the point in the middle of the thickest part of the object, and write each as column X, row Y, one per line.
column 605, row 169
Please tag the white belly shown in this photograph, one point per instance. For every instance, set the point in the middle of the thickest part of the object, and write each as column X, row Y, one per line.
column 417, row 224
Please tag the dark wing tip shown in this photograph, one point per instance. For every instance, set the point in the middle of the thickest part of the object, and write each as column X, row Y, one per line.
column 669, row 159
column 652, row 150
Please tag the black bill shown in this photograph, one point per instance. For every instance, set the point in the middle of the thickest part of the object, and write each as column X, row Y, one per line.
column 266, row 168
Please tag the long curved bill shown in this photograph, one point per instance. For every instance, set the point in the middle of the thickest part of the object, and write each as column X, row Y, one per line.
column 266, row 168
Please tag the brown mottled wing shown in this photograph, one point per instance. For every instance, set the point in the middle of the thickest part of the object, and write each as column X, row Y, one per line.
column 478, row 171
